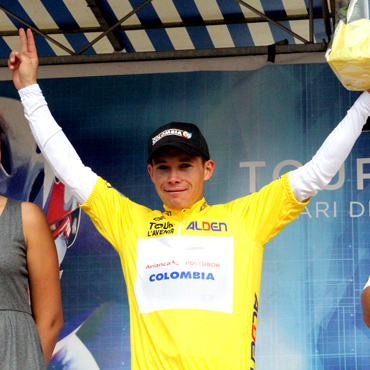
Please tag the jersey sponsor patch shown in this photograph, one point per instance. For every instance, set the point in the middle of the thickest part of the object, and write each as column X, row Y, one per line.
column 194, row 272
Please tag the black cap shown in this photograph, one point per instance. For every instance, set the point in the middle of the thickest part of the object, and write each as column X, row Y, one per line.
column 181, row 135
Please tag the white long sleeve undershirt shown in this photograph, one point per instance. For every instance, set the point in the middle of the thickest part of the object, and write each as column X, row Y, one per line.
column 56, row 148
column 305, row 181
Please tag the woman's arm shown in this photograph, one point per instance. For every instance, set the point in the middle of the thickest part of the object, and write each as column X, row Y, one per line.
column 43, row 269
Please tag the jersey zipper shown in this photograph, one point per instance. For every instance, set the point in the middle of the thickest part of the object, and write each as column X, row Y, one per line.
column 179, row 230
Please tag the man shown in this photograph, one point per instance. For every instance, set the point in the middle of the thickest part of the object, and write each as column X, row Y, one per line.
column 193, row 271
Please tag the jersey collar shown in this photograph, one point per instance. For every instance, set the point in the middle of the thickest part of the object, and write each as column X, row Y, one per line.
column 186, row 213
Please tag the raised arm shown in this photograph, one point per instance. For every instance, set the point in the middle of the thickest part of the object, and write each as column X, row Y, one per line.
column 307, row 180
column 50, row 138
column 43, row 269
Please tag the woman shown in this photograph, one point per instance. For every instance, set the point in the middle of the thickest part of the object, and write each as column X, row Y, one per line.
column 30, row 299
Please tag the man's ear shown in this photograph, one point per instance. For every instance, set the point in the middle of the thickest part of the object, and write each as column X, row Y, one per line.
column 209, row 168
column 150, row 171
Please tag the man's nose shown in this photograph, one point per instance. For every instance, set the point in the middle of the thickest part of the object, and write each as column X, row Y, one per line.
column 174, row 176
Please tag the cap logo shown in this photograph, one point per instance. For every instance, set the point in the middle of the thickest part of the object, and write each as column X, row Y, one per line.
column 172, row 132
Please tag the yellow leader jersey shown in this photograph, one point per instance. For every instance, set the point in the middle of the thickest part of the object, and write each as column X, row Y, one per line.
column 193, row 276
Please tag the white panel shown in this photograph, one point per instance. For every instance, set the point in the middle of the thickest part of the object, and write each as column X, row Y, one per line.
column 5, row 23
column 121, row 8
column 261, row 34
column 140, row 40
column 102, row 46
column 180, row 38
column 220, row 36
column 209, row 9
column 182, row 281
column 294, row 7
column 81, row 13
column 256, row 4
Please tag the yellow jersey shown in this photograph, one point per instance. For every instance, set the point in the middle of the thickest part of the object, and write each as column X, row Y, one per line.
column 193, row 276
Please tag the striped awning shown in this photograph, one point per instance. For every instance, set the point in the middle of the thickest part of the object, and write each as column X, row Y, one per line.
column 111, row 27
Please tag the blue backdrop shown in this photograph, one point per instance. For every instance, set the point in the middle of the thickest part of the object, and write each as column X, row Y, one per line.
column 259, row 125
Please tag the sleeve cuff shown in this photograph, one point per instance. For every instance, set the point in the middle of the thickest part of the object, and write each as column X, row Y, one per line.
column 367, row 284
column 29, row 90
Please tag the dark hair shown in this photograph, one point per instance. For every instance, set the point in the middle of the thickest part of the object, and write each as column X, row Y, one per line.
column 164, row 149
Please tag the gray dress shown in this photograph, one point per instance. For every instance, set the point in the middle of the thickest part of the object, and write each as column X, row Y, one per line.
column 20, row 345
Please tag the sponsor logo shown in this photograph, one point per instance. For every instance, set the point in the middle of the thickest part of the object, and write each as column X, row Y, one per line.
column 160, row 218
column 189, row 263
column 204, row 206
column 207, row 226
column 172, row 132
column 160, row 228
column 254, row 328
column 161, row 264
column 182, row 275
column 203, row 264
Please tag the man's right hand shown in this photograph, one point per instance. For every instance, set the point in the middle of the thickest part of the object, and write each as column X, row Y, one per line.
column 24, row 64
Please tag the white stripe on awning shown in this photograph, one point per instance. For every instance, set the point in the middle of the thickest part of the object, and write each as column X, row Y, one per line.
column 180, row 38
column 81, row 13
column 42, row 19
column 102, row 46
column 13, row 42
column 5, row 23
column 37, row 12
column 220, row 36
column 261, row 34
column 209, row 9
column 120, row 9
column 62, row 40
column 140, row 40
column 167, row 12
column 294, row 7
column 301, row 28
column 256, row 4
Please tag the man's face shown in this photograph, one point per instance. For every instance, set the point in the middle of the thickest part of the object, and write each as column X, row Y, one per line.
column 179, row 177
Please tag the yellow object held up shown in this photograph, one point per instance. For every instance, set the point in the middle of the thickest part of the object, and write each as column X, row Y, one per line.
column 349, row 55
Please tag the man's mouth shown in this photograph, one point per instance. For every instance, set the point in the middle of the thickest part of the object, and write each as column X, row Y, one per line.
column 174, row 191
